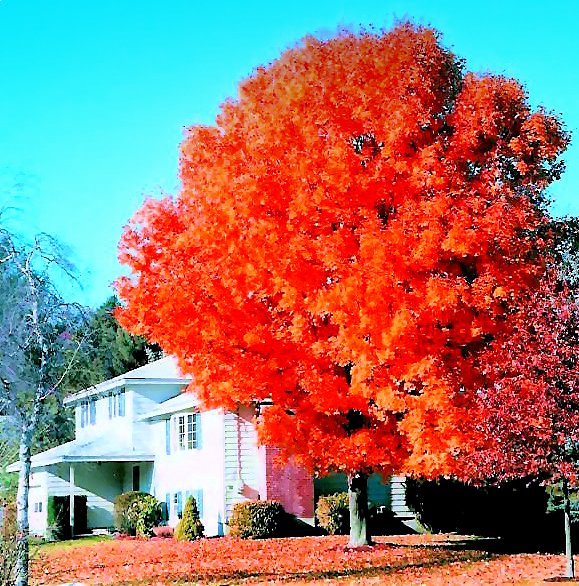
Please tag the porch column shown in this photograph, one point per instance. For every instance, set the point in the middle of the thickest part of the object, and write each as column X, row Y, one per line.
column 71, row 494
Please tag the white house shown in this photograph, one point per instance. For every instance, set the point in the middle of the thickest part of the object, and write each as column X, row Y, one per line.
column 138, row 431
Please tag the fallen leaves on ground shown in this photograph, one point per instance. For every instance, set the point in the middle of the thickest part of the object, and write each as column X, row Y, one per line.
column 393, row 560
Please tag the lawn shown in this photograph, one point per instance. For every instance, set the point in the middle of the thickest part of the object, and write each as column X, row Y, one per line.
column 440, row 559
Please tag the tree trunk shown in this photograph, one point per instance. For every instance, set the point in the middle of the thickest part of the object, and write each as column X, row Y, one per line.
column 570, row 568
column 358, row 502
column 22, row 535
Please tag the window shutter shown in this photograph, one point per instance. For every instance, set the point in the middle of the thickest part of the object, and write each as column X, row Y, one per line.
column 111, row 400
column 167, row 436
column 167, row 507
column 122, row 403
column 198, row 444
column 92, row 406
column 198, row 494
column 179, row 504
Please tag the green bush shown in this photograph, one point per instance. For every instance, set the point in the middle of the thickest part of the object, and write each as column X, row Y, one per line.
column 257, row 519
column 333, row 513
column 136, row 513
column 57, row 518
column 122, row 503
column 189, row 527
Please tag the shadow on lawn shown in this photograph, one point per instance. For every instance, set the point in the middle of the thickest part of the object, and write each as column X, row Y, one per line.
column 439, row 557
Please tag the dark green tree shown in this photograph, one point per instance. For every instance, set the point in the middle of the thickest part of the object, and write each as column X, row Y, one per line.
column 190, row 526
column 110, row 350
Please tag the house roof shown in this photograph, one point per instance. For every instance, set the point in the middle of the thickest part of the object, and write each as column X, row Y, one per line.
column 92, row 451
column 160, row 371
column 182, row 402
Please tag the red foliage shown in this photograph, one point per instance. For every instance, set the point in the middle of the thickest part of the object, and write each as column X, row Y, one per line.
column 527, row 421
column 352, row 231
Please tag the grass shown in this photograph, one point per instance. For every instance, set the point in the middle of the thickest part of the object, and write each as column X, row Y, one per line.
column 40, row 545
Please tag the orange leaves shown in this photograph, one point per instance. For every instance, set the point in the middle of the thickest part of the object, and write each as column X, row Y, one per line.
column 227, row 559
column 359, row 211
column 394, row 560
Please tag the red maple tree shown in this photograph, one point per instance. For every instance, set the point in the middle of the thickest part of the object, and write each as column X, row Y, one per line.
column 525, row 422
column 349, row 234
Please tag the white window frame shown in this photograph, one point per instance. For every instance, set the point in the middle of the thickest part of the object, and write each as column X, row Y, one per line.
column 117, row 403
column 184, row 432
column 88, row 412
column 84, row 413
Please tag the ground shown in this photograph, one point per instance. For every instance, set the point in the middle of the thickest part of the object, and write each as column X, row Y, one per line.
column 394, row 560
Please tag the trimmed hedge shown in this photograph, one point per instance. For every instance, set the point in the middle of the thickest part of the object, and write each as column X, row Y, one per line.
column 189, row 527
column 333, row 513
column 257, row 519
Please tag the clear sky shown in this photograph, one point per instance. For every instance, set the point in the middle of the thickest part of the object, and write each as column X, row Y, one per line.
column 94, row 95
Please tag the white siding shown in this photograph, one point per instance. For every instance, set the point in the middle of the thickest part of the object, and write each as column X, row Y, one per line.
column 398, row 503
column 37, row 496
column 193, row 470
column 121, row 426
column 144, row 398
column 243, row 461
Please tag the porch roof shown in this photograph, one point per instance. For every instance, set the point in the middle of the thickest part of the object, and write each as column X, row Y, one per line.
column 98, row 450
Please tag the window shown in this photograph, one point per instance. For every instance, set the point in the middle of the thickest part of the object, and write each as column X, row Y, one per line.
column 178, row 504
column 88, row 412
column 175, row 502
column 117, row 403
column 185, row 432
column 84, row 413
column 38, row 507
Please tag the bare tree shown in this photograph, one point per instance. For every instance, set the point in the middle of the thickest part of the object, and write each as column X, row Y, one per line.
column 38, row 347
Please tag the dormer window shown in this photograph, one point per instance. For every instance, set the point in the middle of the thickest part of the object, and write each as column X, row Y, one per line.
column 117, row 403
column 88, row 412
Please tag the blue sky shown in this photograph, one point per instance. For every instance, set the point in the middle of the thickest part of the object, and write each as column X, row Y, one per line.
column 95, row 94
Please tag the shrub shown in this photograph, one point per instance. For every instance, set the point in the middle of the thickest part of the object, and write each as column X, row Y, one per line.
column 257, row 519
column 515, row 510
column 189, row 527
column 333, row 513
column 57, row 518
column 122, row 503
column 8, row 554
column 9, row 524
column 136, row 513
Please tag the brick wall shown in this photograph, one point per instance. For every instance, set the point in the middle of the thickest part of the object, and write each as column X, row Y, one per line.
column 290, row 484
